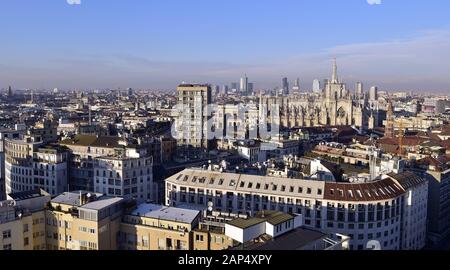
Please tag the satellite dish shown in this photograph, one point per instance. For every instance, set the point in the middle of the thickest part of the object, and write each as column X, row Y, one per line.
column 210, row 206
column 89, row 195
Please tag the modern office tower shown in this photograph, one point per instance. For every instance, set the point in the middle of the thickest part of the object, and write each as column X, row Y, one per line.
column 234, row 87
column 130, row 92
column 225, row 89
column 250, row 88
column 22, row 221
column 373, row 93
column 359, row 90
column 19, row 164
column 296, row 87
column 316, row 86
column 81, row 220
column 383, row 210
column 10, row 92
column 128, row 174
column 285, row 86
column 244, row 85
column 193, row 116
column 214, row 90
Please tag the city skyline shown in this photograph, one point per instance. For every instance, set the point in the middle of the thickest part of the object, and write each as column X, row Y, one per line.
column 98, row 45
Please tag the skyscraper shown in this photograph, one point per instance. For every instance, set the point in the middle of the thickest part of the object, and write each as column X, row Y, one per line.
column 359, row 90
column 244, row 84
column 373, row 93
column 10, row 93
column 234, row 87
column 250, row 88
column 285, row 86
column 316, row 86
column 296, row 87
column 225, row 89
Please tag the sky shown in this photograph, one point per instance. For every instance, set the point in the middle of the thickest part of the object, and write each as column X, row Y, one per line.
column 156, row 44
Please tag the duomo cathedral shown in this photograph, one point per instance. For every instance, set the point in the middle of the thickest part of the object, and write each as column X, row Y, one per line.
column 335, row 106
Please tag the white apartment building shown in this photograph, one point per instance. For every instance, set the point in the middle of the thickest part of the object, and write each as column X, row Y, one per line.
column 50, row 169
column 371, row 214
column 19, row 164
column 127, row 174
column 6, row 134
column 192, row 116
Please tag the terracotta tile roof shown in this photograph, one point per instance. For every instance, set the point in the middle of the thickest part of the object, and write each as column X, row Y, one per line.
column 373, row 191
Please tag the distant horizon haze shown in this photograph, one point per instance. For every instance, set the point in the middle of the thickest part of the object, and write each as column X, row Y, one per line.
column 395, row 45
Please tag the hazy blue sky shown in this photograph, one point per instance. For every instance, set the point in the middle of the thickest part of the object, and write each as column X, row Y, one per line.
column 401, row 44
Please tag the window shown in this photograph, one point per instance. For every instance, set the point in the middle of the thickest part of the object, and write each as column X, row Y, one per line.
column 145, row 241
column 26, row 241
column 6, row 234
column 7, row 247
column 199, row 238
column 219, row 240
column 25, row 228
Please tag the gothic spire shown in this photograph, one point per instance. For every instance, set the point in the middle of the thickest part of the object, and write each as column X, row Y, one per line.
column 334, row 78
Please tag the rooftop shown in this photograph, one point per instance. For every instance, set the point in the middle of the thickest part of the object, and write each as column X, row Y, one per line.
column 246, row 223
column 102, row 202
column 93, row 141
column 407, row 179
column 73, row 198
column 25, row 195
column 294, row 240
column 166, row 213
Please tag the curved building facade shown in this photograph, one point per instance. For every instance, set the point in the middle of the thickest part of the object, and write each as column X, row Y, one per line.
column 18, row 164
column 388, row 214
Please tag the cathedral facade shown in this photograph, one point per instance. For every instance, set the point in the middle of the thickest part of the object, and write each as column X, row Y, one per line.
column 335, row 106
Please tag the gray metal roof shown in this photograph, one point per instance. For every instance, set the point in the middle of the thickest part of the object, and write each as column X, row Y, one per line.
column 166, row 213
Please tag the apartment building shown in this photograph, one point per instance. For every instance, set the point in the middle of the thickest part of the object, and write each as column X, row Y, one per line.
column 6, row 134
column 112, row 166
column 45, row 130
column 367, row 212
column 22, row 221
column 438, row 176
column 50, row 169
column 82, row 220
column 83, row 150
column 128, row 174
column 19, row 164
column 30, row 165
column 157, row 227
column 192, row 116
column 273, row 230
